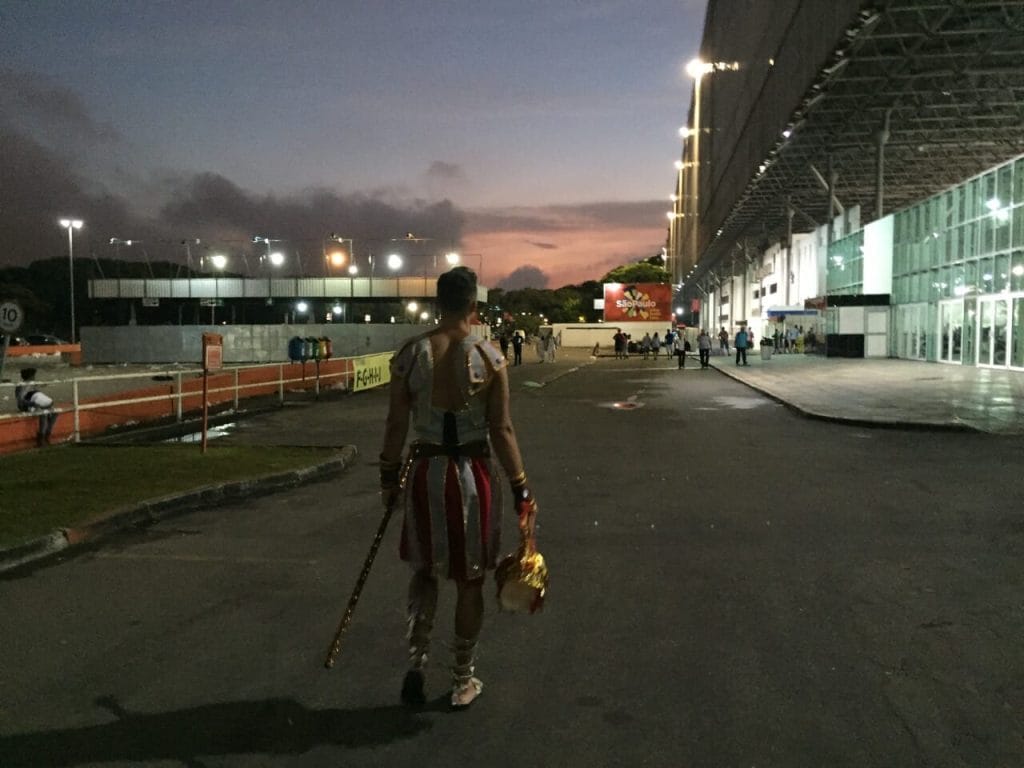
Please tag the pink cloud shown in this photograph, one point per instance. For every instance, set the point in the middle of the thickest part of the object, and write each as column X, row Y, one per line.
column 570, row 244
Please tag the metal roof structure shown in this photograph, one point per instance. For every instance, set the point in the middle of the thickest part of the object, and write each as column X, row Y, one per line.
column 941, row 80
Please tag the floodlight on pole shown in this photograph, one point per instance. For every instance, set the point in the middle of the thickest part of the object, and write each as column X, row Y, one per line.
column 71, row 225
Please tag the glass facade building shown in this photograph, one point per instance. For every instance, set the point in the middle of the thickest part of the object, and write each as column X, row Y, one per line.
column 957, row 272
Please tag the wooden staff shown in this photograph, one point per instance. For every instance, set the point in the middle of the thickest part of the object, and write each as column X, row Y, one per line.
column 346, row 619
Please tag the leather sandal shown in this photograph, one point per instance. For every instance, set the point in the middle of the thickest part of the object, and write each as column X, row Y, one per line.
column 465, row 692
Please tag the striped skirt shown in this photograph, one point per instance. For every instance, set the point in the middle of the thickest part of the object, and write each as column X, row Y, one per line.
column 452, row 526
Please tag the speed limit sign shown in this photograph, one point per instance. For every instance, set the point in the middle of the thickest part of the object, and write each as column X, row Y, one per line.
column 10, row 316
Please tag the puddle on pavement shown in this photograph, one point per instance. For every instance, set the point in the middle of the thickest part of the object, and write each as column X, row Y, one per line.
column 741, row 403
column 221, row 430
column 622, row 405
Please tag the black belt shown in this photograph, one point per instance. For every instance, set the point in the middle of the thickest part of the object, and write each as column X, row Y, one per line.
column 478, row 449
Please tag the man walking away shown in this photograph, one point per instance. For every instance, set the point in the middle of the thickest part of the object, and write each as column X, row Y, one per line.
column 723, row 340
column 681, row 346
column 517, row 348
column 740, row 342
column 704, row 348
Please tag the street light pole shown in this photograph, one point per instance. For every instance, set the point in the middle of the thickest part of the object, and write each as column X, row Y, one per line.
column 697, row 69
column 71, row 225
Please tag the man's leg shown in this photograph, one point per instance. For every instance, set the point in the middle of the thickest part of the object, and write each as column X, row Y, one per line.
column 469, row 616
column 421, row 608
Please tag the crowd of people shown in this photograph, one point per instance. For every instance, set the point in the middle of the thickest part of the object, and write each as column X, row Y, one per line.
column 673, row 342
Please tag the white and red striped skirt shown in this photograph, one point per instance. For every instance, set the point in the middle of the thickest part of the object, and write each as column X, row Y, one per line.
column 452, row 524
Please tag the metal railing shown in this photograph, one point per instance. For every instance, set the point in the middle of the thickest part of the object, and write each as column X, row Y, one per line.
column 115, row 395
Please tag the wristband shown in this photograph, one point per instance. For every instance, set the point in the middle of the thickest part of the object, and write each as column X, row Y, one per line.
column 519, row 490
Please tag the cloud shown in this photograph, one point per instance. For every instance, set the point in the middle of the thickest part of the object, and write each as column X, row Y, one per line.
column 443, row 179
column 214, row 206
column 30, row 101
column 40, row 186
column 555, row 218
column 577, row 242
column 440, row 170
column 527, row 276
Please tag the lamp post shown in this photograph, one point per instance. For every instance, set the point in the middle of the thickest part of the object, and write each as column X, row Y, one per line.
column 337, row 258
column 696, row 69
column 71, row 225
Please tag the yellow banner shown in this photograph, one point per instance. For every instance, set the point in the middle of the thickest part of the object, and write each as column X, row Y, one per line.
column 371, row 371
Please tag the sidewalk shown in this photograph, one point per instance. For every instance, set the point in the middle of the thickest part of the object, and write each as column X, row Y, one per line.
column 884, row 392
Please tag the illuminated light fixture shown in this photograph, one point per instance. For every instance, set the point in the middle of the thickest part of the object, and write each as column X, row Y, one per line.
column 302, row 306
column 1018, row 270
column 276, row 258
column 353, row 269
column 394, row 261
column 424, row 315
column 452, row 258
column 678, row 164
column 787, row 133
column 337, row 258
column 696, row 68
column 412, row 306
column 336, row 309
column 219, row 260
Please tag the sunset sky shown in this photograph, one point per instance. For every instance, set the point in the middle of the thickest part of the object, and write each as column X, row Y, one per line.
column 537, row 135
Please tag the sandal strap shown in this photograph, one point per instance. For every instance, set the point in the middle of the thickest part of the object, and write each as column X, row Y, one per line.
column 464, row 651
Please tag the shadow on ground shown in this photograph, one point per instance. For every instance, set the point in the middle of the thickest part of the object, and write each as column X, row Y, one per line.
column 271, row 726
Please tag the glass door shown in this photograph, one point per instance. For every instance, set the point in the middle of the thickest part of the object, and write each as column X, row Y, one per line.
column 994, row 332
column 910, row 333
column 1017, row 334
column 951, row 327
column 985, row 314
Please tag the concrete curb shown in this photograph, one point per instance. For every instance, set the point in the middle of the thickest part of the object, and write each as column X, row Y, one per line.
column 153, row 510
column 930, row 426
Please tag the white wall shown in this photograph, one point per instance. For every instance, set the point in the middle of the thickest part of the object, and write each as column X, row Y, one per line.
column 878, row 256
column 242, row 343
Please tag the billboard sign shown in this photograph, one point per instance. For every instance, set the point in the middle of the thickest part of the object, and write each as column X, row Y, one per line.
column 637, row 302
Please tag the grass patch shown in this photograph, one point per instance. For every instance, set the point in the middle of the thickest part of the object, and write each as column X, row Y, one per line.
column 42, row 491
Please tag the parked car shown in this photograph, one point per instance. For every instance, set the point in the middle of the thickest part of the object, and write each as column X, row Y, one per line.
column 43, row 340
column 16, row 341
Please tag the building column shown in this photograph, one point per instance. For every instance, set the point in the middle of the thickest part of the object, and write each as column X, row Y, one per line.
column 788, row 276
column 881, row 138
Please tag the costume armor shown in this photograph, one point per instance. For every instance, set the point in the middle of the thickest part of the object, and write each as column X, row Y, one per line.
column 451, row 525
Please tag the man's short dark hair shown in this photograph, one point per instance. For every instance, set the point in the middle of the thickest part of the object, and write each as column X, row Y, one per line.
column 27, row 374
column 456, row 290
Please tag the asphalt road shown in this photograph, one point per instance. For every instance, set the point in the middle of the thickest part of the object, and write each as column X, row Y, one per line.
column 732, row 585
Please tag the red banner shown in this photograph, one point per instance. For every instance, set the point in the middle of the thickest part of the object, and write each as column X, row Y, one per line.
column 637, row 302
